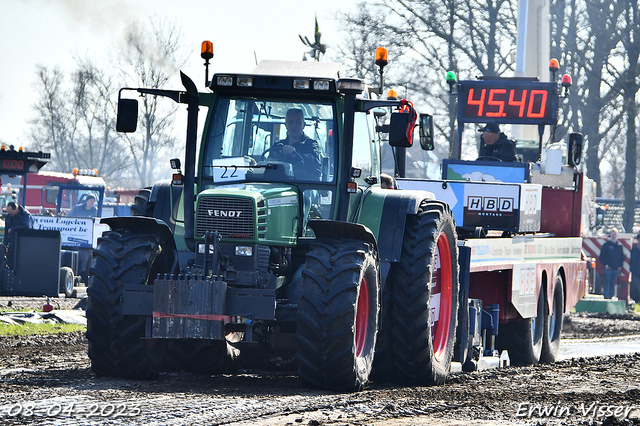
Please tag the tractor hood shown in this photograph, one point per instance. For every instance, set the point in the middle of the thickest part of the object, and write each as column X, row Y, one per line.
column 265, row 213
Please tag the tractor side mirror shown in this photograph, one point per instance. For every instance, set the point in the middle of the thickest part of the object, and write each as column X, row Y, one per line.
column 574, row 149
column 426, row 132
column 398, row 130
column 127, row 120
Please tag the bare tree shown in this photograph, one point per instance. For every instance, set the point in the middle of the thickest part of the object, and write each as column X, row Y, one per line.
column 152, row 57
column 426, row 39
column 75, row 122
column 53, row 126
column 629, row 81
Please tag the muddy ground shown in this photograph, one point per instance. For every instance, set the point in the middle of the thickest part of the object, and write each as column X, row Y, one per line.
column 47, row 380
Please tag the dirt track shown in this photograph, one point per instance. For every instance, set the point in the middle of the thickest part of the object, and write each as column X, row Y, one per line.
column 41, row 377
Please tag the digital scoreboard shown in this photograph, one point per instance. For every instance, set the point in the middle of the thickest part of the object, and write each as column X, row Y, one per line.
column 506, row 101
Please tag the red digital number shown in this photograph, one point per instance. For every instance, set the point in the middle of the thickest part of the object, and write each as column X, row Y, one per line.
column 479, row 102
column 543, row 104
column 519, row 103
column 12, row 164
column 498, row 103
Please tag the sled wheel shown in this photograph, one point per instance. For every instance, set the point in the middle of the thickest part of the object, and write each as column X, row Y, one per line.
column 553, row 324
column 523, row 339
column 338, row 314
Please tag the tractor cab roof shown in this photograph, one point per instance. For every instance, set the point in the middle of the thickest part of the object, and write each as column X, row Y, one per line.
column 310, row 69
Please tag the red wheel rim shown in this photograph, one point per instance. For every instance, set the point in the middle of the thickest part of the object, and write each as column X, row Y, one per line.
column 441, row 296
column 362, row 317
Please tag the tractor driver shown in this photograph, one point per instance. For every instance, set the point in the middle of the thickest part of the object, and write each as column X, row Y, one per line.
column 298, row 149
column 86, row 209
column 495, row 145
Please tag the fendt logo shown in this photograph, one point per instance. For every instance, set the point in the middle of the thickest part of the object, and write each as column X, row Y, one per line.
column 224, row 213
column 490, row 204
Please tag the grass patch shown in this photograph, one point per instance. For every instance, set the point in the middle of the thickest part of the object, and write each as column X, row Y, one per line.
column 28, row 329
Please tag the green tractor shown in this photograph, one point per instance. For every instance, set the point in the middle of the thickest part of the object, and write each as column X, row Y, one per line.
column 273, row 244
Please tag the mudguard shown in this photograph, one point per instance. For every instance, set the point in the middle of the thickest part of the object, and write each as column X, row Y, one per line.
column 140, row 224
column 166, row 198
column 395, row 206
column 342, row 230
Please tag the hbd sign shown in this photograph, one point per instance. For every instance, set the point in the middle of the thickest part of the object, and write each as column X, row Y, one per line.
column 490, row 204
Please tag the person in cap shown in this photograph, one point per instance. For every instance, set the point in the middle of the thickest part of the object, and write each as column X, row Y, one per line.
column 86, row 209
column 495, row 145
column 612, row 258
column 634, row 268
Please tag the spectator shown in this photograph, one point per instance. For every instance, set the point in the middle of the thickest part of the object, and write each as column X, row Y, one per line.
column 611, row 257
column 387, row 182
column 17, row 217
column 634, row 277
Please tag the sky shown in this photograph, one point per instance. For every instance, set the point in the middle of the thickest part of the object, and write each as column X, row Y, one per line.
column 52, row 33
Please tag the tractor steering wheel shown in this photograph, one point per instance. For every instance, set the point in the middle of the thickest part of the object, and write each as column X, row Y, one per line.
column 488, row 158
column 277, row 148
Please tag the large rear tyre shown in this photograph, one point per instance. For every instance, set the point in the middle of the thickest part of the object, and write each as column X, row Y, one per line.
column 553, row 324
column 338, row 314
column 425, row 297
column 141, row 204
column 116, row 344
column 523, row 339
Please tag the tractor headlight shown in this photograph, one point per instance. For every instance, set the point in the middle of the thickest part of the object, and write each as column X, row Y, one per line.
column 244, row 251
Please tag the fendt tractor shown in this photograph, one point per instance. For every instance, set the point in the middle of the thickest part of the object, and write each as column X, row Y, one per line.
column 263, row 251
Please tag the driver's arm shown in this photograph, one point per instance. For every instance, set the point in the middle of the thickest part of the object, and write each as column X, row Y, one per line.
column 309, row 163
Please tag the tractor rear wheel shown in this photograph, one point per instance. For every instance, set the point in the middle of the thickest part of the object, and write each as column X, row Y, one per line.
column 553, row 324
column 116, row 344
column 425, row 297
column 141, row 204
column 338, row 314
column 523, row 339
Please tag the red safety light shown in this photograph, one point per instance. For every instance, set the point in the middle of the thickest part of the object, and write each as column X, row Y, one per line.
column 566, row 80
column 207, row 50
column 554, row 65
column 177, row 179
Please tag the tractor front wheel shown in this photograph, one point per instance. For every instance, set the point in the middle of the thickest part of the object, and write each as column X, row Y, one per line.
column 116, row 344
column 338, row 314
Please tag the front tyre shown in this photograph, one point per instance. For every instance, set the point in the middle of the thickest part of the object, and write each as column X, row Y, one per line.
column 425, row 297
column 553, row 324
column 338, row 314
column 116, row 344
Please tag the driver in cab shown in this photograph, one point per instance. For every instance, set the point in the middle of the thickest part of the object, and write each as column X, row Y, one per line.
column 494, row 145
column 298, row 149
